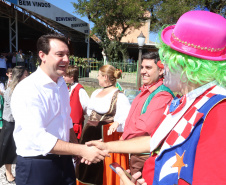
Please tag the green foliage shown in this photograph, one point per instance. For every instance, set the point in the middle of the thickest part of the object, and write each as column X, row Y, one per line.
column 112, row 19
column 117, row 51
column 112, row 15
column 81, row 62
column 168, row 12
column 216, row 6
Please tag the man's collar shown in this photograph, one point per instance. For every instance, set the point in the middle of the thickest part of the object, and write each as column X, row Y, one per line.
column 154, row 87
column 151, row 87
column 45, row 79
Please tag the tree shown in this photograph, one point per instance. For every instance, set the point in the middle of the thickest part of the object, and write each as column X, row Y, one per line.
column 169, row 11
column 216, row 6
column 112, row 19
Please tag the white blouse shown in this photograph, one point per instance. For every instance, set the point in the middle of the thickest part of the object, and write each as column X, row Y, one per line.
column 83, row 97
column 102, row 105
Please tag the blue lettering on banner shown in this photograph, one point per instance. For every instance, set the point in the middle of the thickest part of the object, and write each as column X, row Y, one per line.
column 79, row 25
column 34, row 3
column 25, row 3
column 66, row 19
column 41, row 4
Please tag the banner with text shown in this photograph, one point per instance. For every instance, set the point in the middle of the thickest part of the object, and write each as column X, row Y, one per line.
column 50, row 11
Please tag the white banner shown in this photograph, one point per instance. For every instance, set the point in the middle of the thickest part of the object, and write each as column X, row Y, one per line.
column 50, row 11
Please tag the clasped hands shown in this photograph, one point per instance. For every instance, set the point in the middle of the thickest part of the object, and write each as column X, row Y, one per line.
column 99, row 145
column 94, row 153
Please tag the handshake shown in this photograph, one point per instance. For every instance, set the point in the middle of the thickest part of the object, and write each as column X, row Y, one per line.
column 94, row 152
column 98, row 150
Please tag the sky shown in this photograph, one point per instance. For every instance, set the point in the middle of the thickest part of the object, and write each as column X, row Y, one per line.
column 67, row 6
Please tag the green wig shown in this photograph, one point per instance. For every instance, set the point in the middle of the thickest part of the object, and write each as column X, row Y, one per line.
column 196, row 70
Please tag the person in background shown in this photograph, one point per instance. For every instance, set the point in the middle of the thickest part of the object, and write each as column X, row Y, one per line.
column 3, row 67
column 79, row 99
column 5, row 83
column 2, row 87
column 189, row 145
column 9, row 75
column 148, row 106
column 32, row 61
column 7, row 144
column 14, row 59
column 20, row 58
column 43, row 127
column 9, row 60
column 104, row 57
column 2, row 91
column 107, row 110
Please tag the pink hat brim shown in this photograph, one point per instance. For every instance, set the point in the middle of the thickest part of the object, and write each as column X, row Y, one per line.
column 166, row 36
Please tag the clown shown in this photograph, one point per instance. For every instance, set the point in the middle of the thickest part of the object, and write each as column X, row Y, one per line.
column 194, row 52
column 188, row 146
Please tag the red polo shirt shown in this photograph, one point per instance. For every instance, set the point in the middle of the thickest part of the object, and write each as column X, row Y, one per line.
column 141, row 125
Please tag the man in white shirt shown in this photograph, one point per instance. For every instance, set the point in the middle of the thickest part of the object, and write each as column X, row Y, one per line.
column 41, row 109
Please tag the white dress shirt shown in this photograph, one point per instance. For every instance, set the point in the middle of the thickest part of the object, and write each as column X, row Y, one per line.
column 41, row 110
column 102, row 105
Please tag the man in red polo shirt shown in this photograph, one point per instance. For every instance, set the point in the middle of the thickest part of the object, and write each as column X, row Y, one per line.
column 148, row 107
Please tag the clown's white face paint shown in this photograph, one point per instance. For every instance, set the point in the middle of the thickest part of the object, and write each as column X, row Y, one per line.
column 173, row 80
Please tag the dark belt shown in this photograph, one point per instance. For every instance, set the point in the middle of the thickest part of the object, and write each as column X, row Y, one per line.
column 49, row 156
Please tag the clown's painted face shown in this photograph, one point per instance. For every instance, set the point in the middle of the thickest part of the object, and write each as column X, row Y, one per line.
column 172, row 79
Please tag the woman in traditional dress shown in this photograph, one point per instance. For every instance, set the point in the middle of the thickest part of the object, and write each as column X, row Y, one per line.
column 108, row 109
column 7, row 144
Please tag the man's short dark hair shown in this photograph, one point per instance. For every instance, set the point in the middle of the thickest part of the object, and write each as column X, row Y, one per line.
column 151, row 55
column 43, row 43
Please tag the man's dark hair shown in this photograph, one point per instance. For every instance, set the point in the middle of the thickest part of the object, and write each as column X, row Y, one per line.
column 43, row 43
column 151, row 55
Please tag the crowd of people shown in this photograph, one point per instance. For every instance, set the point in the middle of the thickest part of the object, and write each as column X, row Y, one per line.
column 16, row 58
column 171, row 139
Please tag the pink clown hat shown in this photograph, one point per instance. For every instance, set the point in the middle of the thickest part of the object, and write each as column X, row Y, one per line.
column 201, row 34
